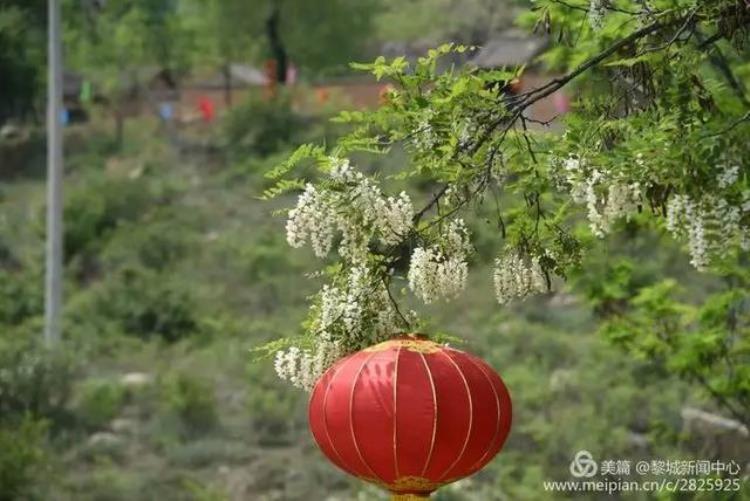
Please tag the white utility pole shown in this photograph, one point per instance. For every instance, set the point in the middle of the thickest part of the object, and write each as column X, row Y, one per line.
column 53, row 280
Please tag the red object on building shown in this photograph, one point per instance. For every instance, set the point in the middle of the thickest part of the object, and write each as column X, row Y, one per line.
column 322, row 94
column 272, row 78
column 410, row 415
column 207, row 109
column 384, row 95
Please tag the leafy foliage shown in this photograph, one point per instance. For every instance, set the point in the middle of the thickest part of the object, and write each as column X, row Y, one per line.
column 100, row 401
column 22, row 458
column 654, row 141
column 21, row 57
column 261, row 126
column 191, row 401
column 34, row 381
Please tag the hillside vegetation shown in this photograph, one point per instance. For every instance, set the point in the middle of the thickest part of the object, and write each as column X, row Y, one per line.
column 176, row 270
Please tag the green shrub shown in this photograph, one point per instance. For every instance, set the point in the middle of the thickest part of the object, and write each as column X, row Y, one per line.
column 100, row 401
column 145, row 304
column 154, row 245
column 207, row 451
column 110, row 483
column 205, row 492
column 34, row 381
column 261, row 126
column 22, row 457
column 191, row 401
column 272, row 408
column 20, row 295
column 96, row 207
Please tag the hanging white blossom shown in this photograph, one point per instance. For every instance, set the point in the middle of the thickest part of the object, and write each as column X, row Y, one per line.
column 728, row 175
column 709, row 223
column 357, row 210
column 607, row 198
column 303, row 367
column 345, row 319
column 311, row 220
column 596, row 13
column 441, row 271
column 423, row 135
column 517, row 276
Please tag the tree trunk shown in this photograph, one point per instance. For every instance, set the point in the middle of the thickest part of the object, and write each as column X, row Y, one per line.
column 278, row 50
column 119, row 126
column 227, row 70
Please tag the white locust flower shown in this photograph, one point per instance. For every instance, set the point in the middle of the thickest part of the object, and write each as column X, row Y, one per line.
column 517, row 277
column 395, row 218
column 356, row 208
column 302, row 368
column 728, row 175
column 433, row 275
column 597, row 11
column 441, row 271
column 710, row 223
column 311, row 220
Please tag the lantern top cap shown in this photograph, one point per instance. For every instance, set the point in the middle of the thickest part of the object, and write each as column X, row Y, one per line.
column 416, row 342
column 413, row 335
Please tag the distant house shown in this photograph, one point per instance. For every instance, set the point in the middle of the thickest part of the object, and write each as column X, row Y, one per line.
column 224, row 86
column 360, row 90
column 508, row 49
column 514, row 48
column 156, row 84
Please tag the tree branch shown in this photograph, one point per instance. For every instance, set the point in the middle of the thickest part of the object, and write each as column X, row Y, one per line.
column 534, row 95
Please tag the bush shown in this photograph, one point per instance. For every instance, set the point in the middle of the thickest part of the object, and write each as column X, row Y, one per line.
column 261, row 126
column 20, row 295
column 154, row 245
column 93, row 209
column 100, row 401
column 22, row 456
column 205, row 452
column 191, row 401
column 34, row 381
column 143, row 303
column 273, row 409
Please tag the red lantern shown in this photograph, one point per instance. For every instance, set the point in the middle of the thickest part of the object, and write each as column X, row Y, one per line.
column 410, row 415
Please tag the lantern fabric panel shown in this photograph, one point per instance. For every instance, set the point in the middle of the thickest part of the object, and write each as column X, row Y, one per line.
column 318, row 418
column 505, row 408
column 416, row 392
column 373, row 416
column 485, row 415
column 454, row 415
column 337, row 415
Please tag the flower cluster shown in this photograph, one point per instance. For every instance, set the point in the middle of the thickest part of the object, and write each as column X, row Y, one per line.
column 597, row 11
column 311, row 220
column 346, row 317
column 517, row 276
column 465, row 130
column 303, row 367
column 354, row 207
column 440, row 271
column 607, row 198
column 728, row 175
column 423, row 135
column 356, row 310
column 397, row 214
column 708, row 223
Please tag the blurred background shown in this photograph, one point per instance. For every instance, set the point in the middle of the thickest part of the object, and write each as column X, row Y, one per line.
column 175, row 270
